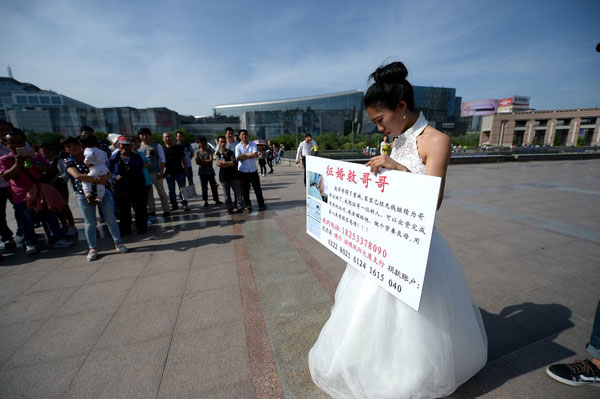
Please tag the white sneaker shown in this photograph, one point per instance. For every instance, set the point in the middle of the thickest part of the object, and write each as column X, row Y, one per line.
column 31, row 249
column 92, row 255
column 122, row 249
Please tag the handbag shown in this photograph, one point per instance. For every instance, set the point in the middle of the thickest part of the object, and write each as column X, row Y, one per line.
column 43, row 196
column 188, row 192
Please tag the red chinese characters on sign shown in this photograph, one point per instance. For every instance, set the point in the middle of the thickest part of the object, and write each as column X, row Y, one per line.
column 339, row 173
column 365, row 179
column 329, row 171
column 352, row 176
column 381, row 183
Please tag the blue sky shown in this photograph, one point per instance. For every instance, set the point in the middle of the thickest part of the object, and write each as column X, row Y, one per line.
column 191, row 55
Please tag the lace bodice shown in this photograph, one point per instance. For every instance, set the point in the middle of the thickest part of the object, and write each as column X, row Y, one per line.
column 404, row 149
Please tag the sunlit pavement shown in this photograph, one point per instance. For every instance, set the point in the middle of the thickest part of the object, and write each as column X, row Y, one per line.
column 207, row 305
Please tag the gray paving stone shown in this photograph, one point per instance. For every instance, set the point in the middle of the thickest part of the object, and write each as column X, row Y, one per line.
column 100, row 296
column 35, row 264
column 131, row 371
column 124, row 269
column 156, row 286
column 289, row 293
column 36, row 306
column 11, row 286
column 61, row 337
column 15, row 335
column 212, row 277
column 211, row 308
column 168, row 261
column 44, row 380
column 64, row 278
column 140, row 322
column 224, row 362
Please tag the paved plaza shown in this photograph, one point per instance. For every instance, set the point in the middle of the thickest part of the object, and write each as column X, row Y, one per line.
column 207, row 305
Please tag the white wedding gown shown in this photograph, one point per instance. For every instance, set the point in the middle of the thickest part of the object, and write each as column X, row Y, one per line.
column 375, row 346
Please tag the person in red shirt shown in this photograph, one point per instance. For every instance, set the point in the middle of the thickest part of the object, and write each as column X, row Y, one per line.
column 23, row 171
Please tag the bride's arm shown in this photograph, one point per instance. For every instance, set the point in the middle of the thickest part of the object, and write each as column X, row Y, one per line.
column 434, row 149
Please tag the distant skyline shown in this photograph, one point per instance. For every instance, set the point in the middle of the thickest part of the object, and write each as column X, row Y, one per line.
column 190, row 56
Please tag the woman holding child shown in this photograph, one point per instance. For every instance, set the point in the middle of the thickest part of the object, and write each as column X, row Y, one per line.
column 78, row 172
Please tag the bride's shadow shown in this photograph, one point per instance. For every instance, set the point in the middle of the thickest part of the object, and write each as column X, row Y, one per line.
column 515, row 328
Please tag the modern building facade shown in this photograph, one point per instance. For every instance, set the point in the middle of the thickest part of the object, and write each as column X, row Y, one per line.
column 551, row 128
column 340, row 113
column 32, row 109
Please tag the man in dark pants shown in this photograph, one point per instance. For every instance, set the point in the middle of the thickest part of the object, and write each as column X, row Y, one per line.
column 246, row 153
column 129, row 187
column 174, row 170
column 304, row 149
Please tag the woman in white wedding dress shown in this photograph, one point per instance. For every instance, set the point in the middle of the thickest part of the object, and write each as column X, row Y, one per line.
column 373, row 345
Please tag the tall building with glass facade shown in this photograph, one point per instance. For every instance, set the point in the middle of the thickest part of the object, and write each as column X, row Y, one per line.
column 39, row 111
column 339, row 113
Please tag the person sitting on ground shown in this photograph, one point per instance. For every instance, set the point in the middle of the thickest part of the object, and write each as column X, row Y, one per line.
column 204, row 160
column 78, row 171
column 24, row 169
column 129, row 187
column 96, row 160
column 228, row 175
column 582, row 372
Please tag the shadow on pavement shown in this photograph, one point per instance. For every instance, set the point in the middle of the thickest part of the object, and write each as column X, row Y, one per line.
column 517, row 327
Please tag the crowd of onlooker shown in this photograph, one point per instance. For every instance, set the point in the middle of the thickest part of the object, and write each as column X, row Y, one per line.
column 116, row 182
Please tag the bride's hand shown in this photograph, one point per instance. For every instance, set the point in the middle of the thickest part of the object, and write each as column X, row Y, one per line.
column 384, row 162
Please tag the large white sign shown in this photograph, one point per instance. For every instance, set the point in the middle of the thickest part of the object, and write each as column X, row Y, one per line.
column 381, row 225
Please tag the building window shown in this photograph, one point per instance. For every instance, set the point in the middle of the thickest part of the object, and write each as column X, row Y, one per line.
column 562, row 122
column 542, row 122
column 44, row 100
column 33, row 100
column 56, row 100
column 588, row 121
column 22, row 99
column 520, row 123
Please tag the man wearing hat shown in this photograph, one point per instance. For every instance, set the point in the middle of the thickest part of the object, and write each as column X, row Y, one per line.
column 129, row 186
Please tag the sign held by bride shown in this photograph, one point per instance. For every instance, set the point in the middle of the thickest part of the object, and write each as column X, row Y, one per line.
column 380, row 224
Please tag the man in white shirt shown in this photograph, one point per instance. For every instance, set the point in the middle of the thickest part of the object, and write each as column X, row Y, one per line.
column 304, row 149
column 246, row 153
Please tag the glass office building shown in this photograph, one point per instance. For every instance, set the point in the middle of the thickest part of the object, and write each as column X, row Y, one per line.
column 35, row 110
column 337, row 112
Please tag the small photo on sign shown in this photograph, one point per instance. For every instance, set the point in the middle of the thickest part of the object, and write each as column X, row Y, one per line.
column 314, row 226
column 317, row 187
column 313, row 208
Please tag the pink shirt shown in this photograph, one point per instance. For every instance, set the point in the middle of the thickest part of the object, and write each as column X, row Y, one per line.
column 21, row 184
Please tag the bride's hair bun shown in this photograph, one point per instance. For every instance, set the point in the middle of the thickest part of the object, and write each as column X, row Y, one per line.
column 395, row 72
column 390, row 87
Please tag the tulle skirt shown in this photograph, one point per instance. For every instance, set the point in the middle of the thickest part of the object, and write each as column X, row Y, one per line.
column 375, row 346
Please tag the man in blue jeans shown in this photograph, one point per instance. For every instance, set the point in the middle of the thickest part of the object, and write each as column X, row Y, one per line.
column 23, row 171
column 174, row 170
column 582, row 372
